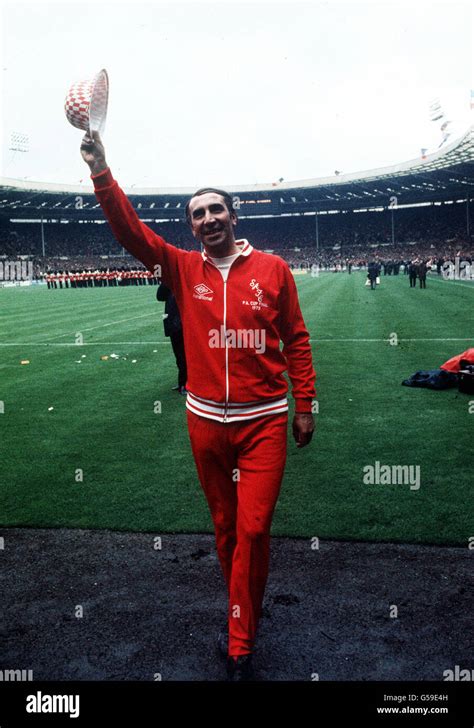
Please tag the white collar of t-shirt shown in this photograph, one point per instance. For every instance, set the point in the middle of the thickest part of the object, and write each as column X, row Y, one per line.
column 224, row 263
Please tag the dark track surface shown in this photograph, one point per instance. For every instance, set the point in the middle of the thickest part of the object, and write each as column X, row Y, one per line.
column 148, row 611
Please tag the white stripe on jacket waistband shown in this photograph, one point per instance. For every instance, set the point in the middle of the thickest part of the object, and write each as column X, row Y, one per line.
column 235, row 411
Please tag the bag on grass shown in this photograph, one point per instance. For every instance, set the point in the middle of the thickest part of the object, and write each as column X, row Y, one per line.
column 432, row 379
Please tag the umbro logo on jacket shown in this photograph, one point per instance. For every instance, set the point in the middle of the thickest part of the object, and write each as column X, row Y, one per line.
column 225, row 383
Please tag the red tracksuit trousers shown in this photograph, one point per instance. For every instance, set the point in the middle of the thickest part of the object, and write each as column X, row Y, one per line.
column 240, row 467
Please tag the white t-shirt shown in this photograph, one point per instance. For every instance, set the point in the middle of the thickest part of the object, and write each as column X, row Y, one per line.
column 224, row 264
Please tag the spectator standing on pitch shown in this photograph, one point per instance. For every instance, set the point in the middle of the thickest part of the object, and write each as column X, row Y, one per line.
column 373, row 271
column 422, row 269
column 413, row 272
column 237, row 304
column 174, row 329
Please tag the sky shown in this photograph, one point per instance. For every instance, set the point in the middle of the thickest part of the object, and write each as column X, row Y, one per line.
column 227, row 93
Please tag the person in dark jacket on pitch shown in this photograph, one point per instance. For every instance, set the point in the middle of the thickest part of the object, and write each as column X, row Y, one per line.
column 373, row 271
column 422, row 269
column 413, row 273
column 174, row 329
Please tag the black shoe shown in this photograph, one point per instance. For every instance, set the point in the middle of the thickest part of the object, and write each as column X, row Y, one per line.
column 183, row 390
column 240, row 669
column 223, row 642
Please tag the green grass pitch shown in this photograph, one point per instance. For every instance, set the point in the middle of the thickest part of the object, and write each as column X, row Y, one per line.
column 138, row 471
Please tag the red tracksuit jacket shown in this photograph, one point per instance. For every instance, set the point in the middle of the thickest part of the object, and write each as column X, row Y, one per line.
column 232, row 329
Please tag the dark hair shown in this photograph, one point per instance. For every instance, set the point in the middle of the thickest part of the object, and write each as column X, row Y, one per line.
column 227, row 199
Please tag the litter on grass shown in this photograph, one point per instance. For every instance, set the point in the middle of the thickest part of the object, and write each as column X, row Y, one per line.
column 116, row 356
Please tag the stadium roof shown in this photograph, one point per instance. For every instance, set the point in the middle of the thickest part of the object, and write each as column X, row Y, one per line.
column 445, row 174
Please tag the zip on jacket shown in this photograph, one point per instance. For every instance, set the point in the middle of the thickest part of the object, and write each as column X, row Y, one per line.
column 232, row 329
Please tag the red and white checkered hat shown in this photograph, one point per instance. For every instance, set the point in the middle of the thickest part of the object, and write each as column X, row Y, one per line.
column 86, row 103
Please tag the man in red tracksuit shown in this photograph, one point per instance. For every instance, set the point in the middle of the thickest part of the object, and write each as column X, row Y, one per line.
column 236, row 304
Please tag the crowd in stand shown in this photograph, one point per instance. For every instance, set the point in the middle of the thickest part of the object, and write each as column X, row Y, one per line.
column 86, row 254
column 89, row 240
column 392, row 258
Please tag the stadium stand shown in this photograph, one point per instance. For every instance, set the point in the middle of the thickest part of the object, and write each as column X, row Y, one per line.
column 419, row 209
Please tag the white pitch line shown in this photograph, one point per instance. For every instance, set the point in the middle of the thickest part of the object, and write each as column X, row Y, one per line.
column 100, row 326
column 90, row 343
column 160, row 343
column 456, row 283
column 353, row 341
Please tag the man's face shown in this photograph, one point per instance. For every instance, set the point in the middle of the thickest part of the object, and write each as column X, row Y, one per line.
column 211, row 222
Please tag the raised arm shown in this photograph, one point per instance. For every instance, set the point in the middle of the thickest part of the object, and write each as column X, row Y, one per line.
column 162, row 259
